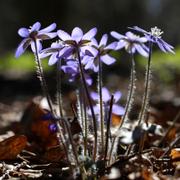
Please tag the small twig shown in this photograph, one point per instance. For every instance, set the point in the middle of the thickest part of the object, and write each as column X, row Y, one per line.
column 177, row 117
column 171, row 146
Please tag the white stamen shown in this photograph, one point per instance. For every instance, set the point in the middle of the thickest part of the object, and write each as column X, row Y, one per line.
column 156, row 32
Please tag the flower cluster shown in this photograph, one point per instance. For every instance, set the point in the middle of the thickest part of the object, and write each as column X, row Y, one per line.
column 79, row 55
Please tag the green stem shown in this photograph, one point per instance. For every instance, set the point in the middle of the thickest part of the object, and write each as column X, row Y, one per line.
column 147, row 88
column 90, row 105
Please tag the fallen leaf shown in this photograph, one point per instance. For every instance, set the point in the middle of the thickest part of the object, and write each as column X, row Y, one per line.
column 175, row 154
column 54, row 154
column 11, row 147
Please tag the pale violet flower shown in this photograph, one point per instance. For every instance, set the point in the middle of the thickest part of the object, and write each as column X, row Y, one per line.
column 131, row 43
column 34, row 35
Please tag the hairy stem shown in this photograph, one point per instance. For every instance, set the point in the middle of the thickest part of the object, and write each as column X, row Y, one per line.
column 44, row 87
column 90, row 105
column 41, row 77
column 101, row 103
column 130, row 97
column 59, row 95
column 145, row 103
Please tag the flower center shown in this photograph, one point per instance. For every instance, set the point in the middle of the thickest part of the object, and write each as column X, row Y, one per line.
column 33, row 34
column 156, row 32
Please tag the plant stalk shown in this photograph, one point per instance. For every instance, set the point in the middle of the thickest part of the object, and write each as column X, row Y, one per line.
column 145, row 102
column 90, row 105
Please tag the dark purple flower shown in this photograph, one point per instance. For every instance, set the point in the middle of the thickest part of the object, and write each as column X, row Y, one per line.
column 101, row 52
column 154, row 36
column 77, row 40
column 32, row 35
column 106, row 97
column 72, row 69
column 131, row 43
column 53, row 128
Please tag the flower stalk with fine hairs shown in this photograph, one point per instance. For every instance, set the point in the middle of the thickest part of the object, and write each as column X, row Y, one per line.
column 131, row 43
column 94, row 61
column 154, row 37
column 33, row 36
column 76, row 44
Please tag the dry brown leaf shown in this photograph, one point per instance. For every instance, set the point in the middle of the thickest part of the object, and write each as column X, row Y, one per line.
column 11, row 147
column 54, row 154
column 175, row 154
column 116, row 120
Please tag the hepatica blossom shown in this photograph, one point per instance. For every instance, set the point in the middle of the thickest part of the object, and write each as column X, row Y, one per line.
column 71, row 68
column 76, row 41
column 91, row 58
column 53, row 52
column 154, row 36
column 34, row 35
column 106, row 97
column 131, row 43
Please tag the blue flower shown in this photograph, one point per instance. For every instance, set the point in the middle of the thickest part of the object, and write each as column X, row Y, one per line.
column 154, row 36
column 131, row 43
column 77, row 40
column 72, row 69
column 53, row 52
column 106, row 97
column 101, row 52
column 32, row 35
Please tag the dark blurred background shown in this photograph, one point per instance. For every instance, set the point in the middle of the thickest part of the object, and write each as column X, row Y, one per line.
column 16, row 76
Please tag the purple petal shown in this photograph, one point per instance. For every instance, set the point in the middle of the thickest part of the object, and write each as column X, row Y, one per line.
column 94, row 96
column 36, row 26
column 131, row 35
column 22, row 47
column 89, row 64
column 107, row 59
column 117, row 35
column 118, row 110
column 39, row 46
column 46, row 35
column 143, row 39
column 77, row 34
column 165, row 46
column 140, row 50
column 90, row 34
column 96, row 110
column 23, row 32
column 117, row 96
column 94, row 42
column 65, row 52
column 43, row 55
column 111, row 46
column 90, row 51
column 121, row 44
column 63, row 35
column 105, row 95
column 53, row 59
column 89, row 81
column 103, row 40
column 136, row 28
column 48, row 29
